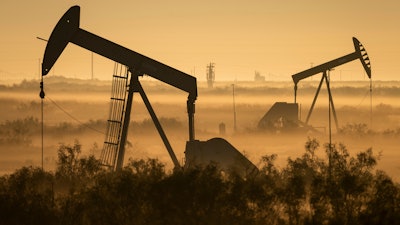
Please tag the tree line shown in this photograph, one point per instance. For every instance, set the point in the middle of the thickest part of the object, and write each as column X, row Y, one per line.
column 334, row 189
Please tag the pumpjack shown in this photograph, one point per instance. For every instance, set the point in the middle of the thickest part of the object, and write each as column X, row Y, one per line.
column 287, row 111
column 359, row 53
column 197, row 152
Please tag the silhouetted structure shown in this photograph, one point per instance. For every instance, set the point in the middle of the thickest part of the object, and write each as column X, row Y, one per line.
column 67, row 30
column 281, row 116
column 136, row 65
column 222, row 129
column 258, row 77
column 210, row 75
column 359, row 53
column 284, row 115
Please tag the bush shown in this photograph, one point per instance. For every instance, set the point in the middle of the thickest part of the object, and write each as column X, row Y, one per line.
column 336, row 189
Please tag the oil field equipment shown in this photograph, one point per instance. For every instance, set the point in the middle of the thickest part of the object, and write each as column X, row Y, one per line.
column 125, row 83
column 284, row 116
column 359, row 53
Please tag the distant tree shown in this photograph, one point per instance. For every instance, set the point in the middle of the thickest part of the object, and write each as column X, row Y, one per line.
column 354, row 130
column 18, row 131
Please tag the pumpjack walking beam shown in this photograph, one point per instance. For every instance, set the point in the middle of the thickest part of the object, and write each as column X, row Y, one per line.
column 67, row 30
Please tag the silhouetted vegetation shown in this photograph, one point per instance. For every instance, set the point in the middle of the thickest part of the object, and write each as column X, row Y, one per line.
column 19, row 131
column 339, row 88
column 361, row 130
column 22, row 131
column 355, row 129
column 336, row 189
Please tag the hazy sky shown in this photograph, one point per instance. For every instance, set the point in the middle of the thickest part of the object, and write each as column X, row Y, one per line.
column 276, row 38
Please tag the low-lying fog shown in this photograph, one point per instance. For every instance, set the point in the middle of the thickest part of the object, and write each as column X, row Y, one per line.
column 75, row 110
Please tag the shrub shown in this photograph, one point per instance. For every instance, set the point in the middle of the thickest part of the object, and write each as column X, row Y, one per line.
column 335, row 189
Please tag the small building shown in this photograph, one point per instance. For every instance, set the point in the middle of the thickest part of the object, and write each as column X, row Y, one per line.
column 258, row 77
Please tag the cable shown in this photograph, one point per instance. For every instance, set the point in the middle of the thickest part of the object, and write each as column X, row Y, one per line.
column 42, row 95
column 72, row 117
column 365, row 96
column 370, row 102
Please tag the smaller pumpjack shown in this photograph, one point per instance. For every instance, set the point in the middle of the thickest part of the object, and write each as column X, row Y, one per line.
column 283, row 115
column 198, row 153
column 359, row 53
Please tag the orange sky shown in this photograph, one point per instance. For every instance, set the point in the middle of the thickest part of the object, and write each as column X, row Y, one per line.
column 276, row 38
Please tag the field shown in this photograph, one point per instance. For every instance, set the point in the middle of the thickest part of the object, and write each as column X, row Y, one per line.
column 78, row 110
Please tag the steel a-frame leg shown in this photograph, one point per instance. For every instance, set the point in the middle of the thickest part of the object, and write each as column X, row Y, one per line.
column 139, row 88
column 324, row 77
column 125, row 124
column 331, row 101
column 135, row 86
column 315, row 99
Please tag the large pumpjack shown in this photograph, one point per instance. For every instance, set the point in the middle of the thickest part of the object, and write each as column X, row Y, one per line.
column 197, row 152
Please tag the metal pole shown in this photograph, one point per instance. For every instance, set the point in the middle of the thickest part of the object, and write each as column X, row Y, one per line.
column 40, row 70
column 315, row 99
column 330, row 127
column 156, row 122
column 92, row 65
column 191, row 110
column 331, row 100
column 234, row 108
column 370, row 102
column 126, row 120
column 42, row 134
column 42, row 94
column 327, row 78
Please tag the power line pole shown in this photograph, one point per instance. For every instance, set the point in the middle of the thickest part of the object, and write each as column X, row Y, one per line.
column 234, row 108
column 92, row 65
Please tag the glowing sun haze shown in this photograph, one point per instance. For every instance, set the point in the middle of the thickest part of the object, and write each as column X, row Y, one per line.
column 276, row 38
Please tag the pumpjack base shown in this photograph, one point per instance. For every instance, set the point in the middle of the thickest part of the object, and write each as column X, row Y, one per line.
column 220, row 152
